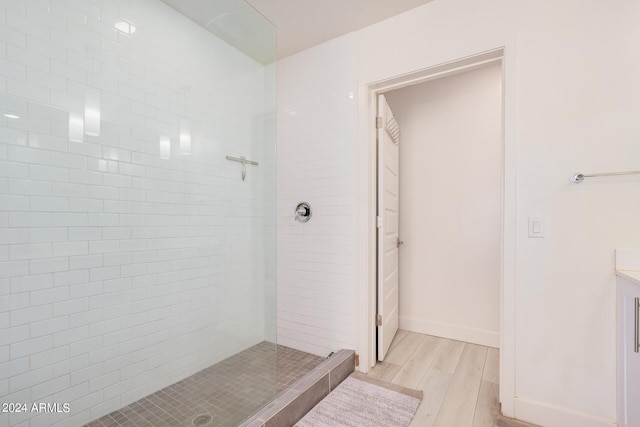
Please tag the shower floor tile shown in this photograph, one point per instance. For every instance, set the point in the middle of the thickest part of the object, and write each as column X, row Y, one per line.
column 226, row 393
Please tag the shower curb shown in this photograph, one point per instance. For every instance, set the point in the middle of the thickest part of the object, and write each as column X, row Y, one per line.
column 293, row 404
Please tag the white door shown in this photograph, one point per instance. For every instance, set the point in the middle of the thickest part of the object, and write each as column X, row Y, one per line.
column 388, row 239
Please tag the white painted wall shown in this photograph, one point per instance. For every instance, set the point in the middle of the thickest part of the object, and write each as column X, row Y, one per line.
column 450, row 205
column 123, row 270
column 570, row 106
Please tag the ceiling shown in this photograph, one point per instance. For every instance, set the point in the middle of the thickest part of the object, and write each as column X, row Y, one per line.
column 233, row 21
column 300, row 24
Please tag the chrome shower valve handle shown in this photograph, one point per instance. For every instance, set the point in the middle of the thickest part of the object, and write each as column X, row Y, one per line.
column 303, row 212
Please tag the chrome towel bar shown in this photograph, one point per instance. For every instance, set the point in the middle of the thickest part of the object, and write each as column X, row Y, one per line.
column 244, row 162
column 579, row 177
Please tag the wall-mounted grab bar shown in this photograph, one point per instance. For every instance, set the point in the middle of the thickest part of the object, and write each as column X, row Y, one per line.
column 577, row 178
column 244, row 162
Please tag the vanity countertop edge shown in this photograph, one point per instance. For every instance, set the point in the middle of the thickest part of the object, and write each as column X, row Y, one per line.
column 631, row 275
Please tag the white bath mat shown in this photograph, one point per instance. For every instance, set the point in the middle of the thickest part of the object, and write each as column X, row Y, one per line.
column 358, row 403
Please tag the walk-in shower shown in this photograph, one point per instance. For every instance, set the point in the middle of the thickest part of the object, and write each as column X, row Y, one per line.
column 133, row 254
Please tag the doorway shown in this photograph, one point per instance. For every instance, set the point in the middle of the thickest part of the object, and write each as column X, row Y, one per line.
column 451, row 208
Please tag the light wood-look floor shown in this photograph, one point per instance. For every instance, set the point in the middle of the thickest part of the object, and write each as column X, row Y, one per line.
column 459, row 380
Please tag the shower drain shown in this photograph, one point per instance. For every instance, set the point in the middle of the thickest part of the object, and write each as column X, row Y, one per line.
column 202, row 420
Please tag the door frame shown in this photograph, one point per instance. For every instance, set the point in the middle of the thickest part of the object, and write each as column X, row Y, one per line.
column 367, row 203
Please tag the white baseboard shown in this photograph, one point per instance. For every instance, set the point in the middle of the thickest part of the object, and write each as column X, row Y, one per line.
column 454, row 332
column 552, row 416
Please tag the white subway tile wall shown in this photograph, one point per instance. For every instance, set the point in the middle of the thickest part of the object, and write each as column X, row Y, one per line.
column 316, row 129
column 131, row 252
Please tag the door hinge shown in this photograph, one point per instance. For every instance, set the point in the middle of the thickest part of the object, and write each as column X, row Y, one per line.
column 378, row 122
column 357, row 360
column 379, row 320
column 379, row 222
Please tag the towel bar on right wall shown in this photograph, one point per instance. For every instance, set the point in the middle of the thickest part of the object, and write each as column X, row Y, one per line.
column 577, row 178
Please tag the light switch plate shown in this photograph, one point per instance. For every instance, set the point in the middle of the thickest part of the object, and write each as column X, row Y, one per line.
column 536, row 226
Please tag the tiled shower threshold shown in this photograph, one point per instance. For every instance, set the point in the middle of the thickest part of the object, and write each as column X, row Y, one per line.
column 225, row 394
column 293, row 404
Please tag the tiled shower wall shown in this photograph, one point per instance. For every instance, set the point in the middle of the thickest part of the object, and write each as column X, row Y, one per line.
column 316, row 129
column 131, row 252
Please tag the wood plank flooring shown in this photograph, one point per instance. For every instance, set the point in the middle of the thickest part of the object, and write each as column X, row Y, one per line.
column 459, row 380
